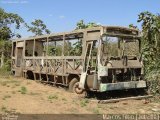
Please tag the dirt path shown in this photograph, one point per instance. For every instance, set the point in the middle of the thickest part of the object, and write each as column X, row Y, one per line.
column 27, row 96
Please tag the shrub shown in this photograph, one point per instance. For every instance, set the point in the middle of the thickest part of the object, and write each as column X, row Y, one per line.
column 84, row 102
column 23, row 90
column 50, row 97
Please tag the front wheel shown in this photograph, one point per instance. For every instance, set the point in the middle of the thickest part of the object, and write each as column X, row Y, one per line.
column 74, row 86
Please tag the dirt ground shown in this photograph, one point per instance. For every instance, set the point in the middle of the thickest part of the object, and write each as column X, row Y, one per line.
column 28, row 96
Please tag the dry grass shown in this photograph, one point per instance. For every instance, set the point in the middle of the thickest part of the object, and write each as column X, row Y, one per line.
column 27, row 96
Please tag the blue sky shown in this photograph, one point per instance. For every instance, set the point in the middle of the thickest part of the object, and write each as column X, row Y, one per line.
column 62, row 15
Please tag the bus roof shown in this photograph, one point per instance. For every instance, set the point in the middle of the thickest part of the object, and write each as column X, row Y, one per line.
column 101, row 29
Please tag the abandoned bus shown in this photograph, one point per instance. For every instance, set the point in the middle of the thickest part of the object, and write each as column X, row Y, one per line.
column 101, row 59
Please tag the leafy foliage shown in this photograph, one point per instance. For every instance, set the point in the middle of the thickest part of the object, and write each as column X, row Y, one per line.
column 54, row 50
column 5, row 46
column 151, row 49
column 132, row 26
column 6, row 20
column 77, row 50
column 82, row 25
column 38, row 27
column 9, row 22
column 23, row 90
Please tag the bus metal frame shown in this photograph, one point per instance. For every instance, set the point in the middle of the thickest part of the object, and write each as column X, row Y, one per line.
column 77, row 72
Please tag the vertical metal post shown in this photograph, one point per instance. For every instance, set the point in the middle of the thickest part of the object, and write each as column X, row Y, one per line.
column 33, row 54
column 84, row 43
column 23, row 61
column 12, row 50
column 63, row 60
column 47, row 48
column 12, row 55
column 63, row 45
column 24, row 48
column 47, row 68
column 16, row 54
column 33, row 48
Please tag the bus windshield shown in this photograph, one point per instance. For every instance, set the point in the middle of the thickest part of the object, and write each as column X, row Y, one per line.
column 116, row 47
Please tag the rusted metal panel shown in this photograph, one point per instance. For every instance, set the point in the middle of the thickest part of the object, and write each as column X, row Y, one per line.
column 122, row 85
column 20, row 44
column 93, row 35
column 119, row 64
column 91, row 61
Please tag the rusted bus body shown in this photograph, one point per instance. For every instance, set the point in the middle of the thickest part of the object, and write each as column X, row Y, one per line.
column 91, row 68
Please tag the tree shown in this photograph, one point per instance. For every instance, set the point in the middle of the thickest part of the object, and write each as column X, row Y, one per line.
column 132, row 26
column 6, row 21
column 38, row 27
column 151, row 49
column 78, row 45
column 82, row 25
column 91, row 24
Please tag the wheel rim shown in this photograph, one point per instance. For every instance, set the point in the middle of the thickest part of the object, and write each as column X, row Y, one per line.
column 76, row 88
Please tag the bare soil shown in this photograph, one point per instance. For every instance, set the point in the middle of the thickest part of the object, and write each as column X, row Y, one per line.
column 31, row 97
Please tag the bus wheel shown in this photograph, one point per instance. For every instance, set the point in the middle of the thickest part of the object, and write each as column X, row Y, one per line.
column 73, row 86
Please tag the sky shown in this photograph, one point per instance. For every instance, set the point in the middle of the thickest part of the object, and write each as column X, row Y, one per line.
column 62, row 15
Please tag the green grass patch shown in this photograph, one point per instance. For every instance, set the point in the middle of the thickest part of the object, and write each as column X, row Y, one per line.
column 28, row 83
column 23, row 90
column 33, row 93
column 3, row 83
column 4, row 109
column 96, row 111
column 84, row 102
column 5, row 73
column 6, row 97
column 17, row 84
column 64, row 99
column 52, row 97
column 8, row 82
column 13, row 92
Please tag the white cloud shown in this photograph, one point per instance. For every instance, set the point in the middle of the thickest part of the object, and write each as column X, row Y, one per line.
column 99, row 23
column 61, row 16
column 32, row 20
column 50, row 15
column 14, row 2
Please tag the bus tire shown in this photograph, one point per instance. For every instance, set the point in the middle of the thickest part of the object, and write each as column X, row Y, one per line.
column 73, row 86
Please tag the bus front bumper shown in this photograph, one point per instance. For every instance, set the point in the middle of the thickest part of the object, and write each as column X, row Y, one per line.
column 122, row 85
